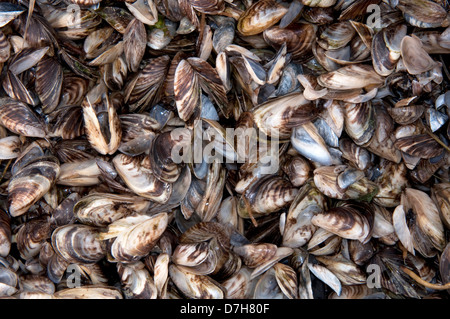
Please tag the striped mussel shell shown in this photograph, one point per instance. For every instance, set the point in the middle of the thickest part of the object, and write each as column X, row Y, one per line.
column 133, row 237
column 105, row 102
column 136, row 281
column 279, row 116
column 102, row 209
column 31, row 237
column 137, row 174
column 165, row 167
column 5, row 48
column 255, row 254
column 77, row 243
column 31, row 183
column 260, row 16
column 299, row 39
column 267, row 195
column 298, row 228
column 440, row 195
column 5, row 233
column 427, row 228
column 350, row 220
column 423, row 14
column 359, row 122
column 19, row 118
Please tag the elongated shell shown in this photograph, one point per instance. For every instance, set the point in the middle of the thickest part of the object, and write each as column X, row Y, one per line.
column 260, row 16
column 347, row 272
column 348, row 221
column 440, row 193
column 268, row 194
column 78, row 244
column 20, row 119
column 299, row 39
column 5, row 233
column 392, row 182
column 137, row 174
column 423, row 14
column 103, row 143
column 427, row 216
column 267, row 286
column 166, row 167
column 136, row 281
column 351, row 77
column 298, row 228
column 89, row 292
column 31, row 237
column 135, row 40
column 277, row 117
column 10, row 147
column 286, row 278
column 195, row 286
column 135, row 236
column 255, row 254
column 49, row 83
column 103, row 209
column 309, row 143
column 144, row 90
column 29, row 184
column 359, row 122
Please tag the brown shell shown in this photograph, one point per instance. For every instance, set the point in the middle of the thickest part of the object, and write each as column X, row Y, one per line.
column 29, row 184
column 49, row 82
column 255, row 254
column 86, row 2
column 422, row 145
column 78, row 243
column 5, row 48
column 20, row 119
column 137, row 240
column 299, row 39
column 269, row 194
column 31, row 237
column 260, row 16
column 351, row 221
column 5, row 233
column 144, row 90
column 407, row 114
column 134, row 41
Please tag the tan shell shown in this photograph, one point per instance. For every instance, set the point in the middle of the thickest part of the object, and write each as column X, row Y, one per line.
column 260, row 16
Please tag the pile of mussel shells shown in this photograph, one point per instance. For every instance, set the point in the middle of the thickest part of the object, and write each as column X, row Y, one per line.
column 98, row 96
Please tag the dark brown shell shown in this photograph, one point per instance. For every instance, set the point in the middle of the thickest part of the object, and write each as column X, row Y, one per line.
column 20, row 119
column 407, row 114
column 299, row 39
column 49, row 81
column 144, row 90
column 135, row 42
column 422, row 145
